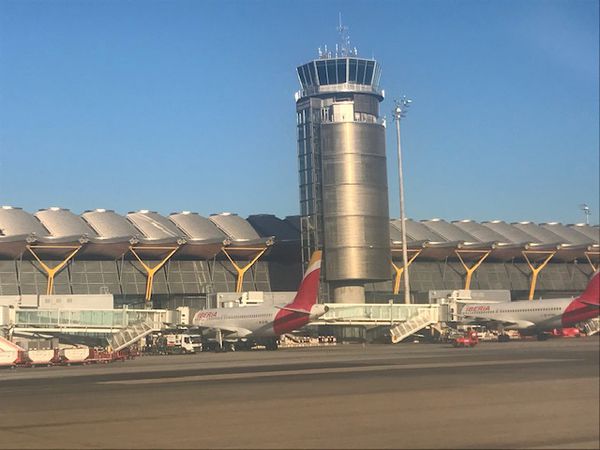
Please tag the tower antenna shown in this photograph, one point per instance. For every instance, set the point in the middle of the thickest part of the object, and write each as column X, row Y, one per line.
column 344, row 46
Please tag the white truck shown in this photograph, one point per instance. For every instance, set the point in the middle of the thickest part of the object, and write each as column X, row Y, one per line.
column 182, row 343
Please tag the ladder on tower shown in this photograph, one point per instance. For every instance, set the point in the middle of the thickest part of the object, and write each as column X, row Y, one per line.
column 129, row 335
column 416, row 323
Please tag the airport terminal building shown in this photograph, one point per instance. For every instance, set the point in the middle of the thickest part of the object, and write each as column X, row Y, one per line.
column 187, row 259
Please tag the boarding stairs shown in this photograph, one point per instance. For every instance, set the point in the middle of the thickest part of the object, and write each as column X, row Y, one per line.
column 402, row 330
column 292, row 338
column 592, row 326
column 130, row 335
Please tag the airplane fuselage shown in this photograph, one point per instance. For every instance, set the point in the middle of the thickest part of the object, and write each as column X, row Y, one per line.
column 538, row 315
column 255, row 321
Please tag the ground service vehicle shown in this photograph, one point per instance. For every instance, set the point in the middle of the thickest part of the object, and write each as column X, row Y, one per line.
column 566, row 332
column 181, row 343
column 470, row 339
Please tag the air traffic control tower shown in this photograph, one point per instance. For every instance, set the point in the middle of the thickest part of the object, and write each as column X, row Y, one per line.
column 342, row 171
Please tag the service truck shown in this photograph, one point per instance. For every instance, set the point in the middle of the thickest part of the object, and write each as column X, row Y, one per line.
column 182, row 343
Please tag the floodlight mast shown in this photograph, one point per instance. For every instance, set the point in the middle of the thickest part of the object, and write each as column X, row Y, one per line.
column 586, row 210
column 399, row 112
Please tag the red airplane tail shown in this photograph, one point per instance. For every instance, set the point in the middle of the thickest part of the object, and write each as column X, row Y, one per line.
column 308, row 291
column 591, row 295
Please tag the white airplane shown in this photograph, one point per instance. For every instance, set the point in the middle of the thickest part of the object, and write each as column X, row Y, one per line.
column 264, row 324
column 538, row 316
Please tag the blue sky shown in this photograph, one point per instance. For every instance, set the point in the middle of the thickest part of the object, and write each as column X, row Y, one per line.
column 188, row 105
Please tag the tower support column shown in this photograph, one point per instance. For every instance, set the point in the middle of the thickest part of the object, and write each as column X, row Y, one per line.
column 471, row 270
column 400, row 270
column 593, row 265
column 348, row 293
column 51, row 272
column 535, row 270
column 151, row 270
column 241, row 270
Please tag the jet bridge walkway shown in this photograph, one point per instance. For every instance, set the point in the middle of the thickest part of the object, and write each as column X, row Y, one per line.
column 403, row 320
column 107, row 322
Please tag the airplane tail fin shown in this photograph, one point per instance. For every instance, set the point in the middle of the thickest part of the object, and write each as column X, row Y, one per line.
column 308, row 291
column 591, row 295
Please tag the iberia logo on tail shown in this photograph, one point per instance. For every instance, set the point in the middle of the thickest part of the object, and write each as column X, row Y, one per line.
column 309, row 287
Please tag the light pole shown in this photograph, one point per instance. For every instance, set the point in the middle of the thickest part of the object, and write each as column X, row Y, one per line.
column 586, row 210
column 399, row 112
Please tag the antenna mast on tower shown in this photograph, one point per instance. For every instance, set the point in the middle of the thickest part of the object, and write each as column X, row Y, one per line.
column 344, row 48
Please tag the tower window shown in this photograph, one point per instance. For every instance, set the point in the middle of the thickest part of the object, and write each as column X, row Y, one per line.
column 301, row 76
column 369, row 72
column 331, row 72
column 341, row 70
column 313, row 75
column 361, row 72
column 307, row 75
column 322, row 72
column 352, row 76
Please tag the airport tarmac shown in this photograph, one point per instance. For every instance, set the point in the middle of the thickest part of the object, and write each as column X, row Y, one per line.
column 524, row 394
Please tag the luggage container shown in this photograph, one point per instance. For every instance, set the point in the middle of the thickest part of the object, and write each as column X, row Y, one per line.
column 9, row 358
column 74, row 355
column 10, row 353
column 41, row 357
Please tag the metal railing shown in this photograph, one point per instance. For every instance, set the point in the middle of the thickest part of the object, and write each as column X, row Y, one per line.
column 416, row 323
column 368, row 119
column 341, row 87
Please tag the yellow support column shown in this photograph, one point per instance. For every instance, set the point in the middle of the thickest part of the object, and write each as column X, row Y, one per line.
column 595, row 267
column 400, row 270
column 536, row 270
column 52, row 271
column 151, row 271
column 242, row 270
column 471, row 270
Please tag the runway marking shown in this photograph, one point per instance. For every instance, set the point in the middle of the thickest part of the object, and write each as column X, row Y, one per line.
column 331, row 370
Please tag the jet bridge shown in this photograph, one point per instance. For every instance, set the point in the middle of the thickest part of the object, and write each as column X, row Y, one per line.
column 402, row 319
column 108, row 321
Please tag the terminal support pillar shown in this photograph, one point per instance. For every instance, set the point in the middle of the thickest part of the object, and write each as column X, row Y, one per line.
column 471, row 270
column 400, row 270
column 536, row 270
column 242, row 270
column 151, row 271
column 52, row 271
column 595, row 266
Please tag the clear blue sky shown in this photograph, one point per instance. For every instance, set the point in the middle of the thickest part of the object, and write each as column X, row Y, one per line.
column 188, row 105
